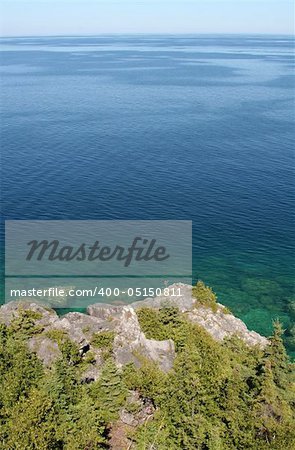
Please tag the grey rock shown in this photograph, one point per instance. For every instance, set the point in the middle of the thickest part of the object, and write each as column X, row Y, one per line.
column 128, row 418
column 144, row 410
column 104, row 311
column 130, row 342
column 87, row 324
column 10, row 310
column 46, row 349
column 74, row 333
column 79, row 327
column 220, row 326
column 93, row 371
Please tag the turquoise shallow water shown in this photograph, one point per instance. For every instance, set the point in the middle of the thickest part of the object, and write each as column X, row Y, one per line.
column 163, row 127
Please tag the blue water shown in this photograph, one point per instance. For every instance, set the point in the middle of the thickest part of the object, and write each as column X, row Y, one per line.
column 163, row 127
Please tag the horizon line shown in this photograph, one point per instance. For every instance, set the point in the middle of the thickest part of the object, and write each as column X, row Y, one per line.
column 146, row 34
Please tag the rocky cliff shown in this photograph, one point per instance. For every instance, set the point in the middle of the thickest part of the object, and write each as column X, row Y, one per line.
column 129, row 342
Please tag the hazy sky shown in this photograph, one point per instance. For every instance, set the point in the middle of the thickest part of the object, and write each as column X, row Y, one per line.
column 80, row 17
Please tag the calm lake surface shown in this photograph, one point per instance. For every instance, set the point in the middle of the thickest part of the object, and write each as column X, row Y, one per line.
column 163, row 127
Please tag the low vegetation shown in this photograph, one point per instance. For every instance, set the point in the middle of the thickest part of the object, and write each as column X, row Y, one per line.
column 104, row 341
column 218, row 396
column 205, row 296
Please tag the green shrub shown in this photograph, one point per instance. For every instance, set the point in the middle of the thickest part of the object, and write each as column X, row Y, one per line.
column 109, row 391
column 205, row 296
column 104, row 341
column 218, row 395
column 23, row 324
column 151, row 324
column 132, row 407
column 56, row 335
